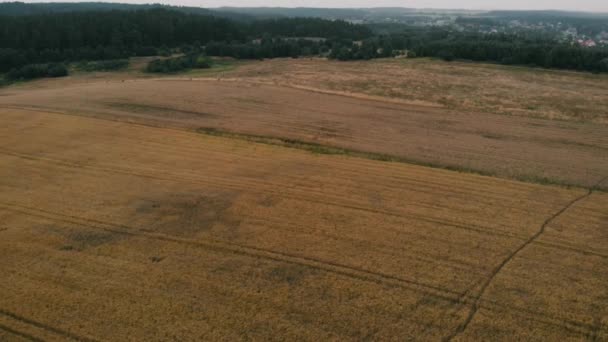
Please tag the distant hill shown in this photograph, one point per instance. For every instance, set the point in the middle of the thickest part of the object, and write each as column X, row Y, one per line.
column 363, row 15
column 22, row 9
column 235, row 13
column 270, row 12
column 545, row 14
column 369, row 14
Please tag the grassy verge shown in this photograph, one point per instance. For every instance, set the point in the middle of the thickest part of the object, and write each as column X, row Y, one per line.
column 331, row 150
column 104, row 65
column 218, row 66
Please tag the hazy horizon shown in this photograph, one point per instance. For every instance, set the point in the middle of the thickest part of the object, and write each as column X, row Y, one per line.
column 582, row 5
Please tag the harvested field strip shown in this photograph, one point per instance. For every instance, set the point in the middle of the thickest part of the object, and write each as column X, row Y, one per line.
column 250, row 251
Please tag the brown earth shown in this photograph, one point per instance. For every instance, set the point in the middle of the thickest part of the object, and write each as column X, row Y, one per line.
column 529, row 149
column 118, row 231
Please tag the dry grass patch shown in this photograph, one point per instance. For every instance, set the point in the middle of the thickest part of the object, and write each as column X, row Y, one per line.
column 462, row 86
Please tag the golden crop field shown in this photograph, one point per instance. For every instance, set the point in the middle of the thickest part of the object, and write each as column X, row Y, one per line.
column 514, row 147
column 206, row 209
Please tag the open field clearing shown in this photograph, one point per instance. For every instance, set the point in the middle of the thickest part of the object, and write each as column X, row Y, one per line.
column 118, row 231
column 469, row 87
column 529, row 149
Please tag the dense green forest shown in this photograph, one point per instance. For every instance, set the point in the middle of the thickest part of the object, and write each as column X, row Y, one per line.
column 37, row 40
column 520, row 49
column 23, row 9
column 119, row 34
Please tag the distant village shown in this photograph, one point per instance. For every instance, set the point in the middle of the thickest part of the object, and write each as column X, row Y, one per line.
column 562, row 31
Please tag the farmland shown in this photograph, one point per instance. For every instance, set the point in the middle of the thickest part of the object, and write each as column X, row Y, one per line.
column 246, row 205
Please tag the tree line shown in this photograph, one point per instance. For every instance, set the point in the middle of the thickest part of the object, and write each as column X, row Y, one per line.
column 47, row 40
column 98, row 35
column 529, row 49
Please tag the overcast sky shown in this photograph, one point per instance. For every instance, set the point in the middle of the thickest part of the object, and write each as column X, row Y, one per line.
column 575, row 5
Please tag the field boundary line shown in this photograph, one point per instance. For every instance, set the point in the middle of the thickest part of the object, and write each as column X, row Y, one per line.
column 560, row 246
column 20, row 334
column 57, row 331
column 556, row 321
column 477, row 300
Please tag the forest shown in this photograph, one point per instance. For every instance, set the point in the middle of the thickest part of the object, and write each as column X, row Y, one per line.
column 99, row 35
column 529, row 49
column 40, row 43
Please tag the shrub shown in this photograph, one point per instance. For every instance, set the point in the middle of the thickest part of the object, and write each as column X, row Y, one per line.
column 603, row 65
column 57, row 70
column 447, row 56
column 176, row 64
column 32, row 71
column 144, row 51
column 109, row 65
column 202, row 62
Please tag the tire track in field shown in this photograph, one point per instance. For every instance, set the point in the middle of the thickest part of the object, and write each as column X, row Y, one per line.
column 476, row 303
column 543, row 318
column 250, row 251
column 562, row 246
column 63, row 333
column 418, row 256
column 20, row 334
